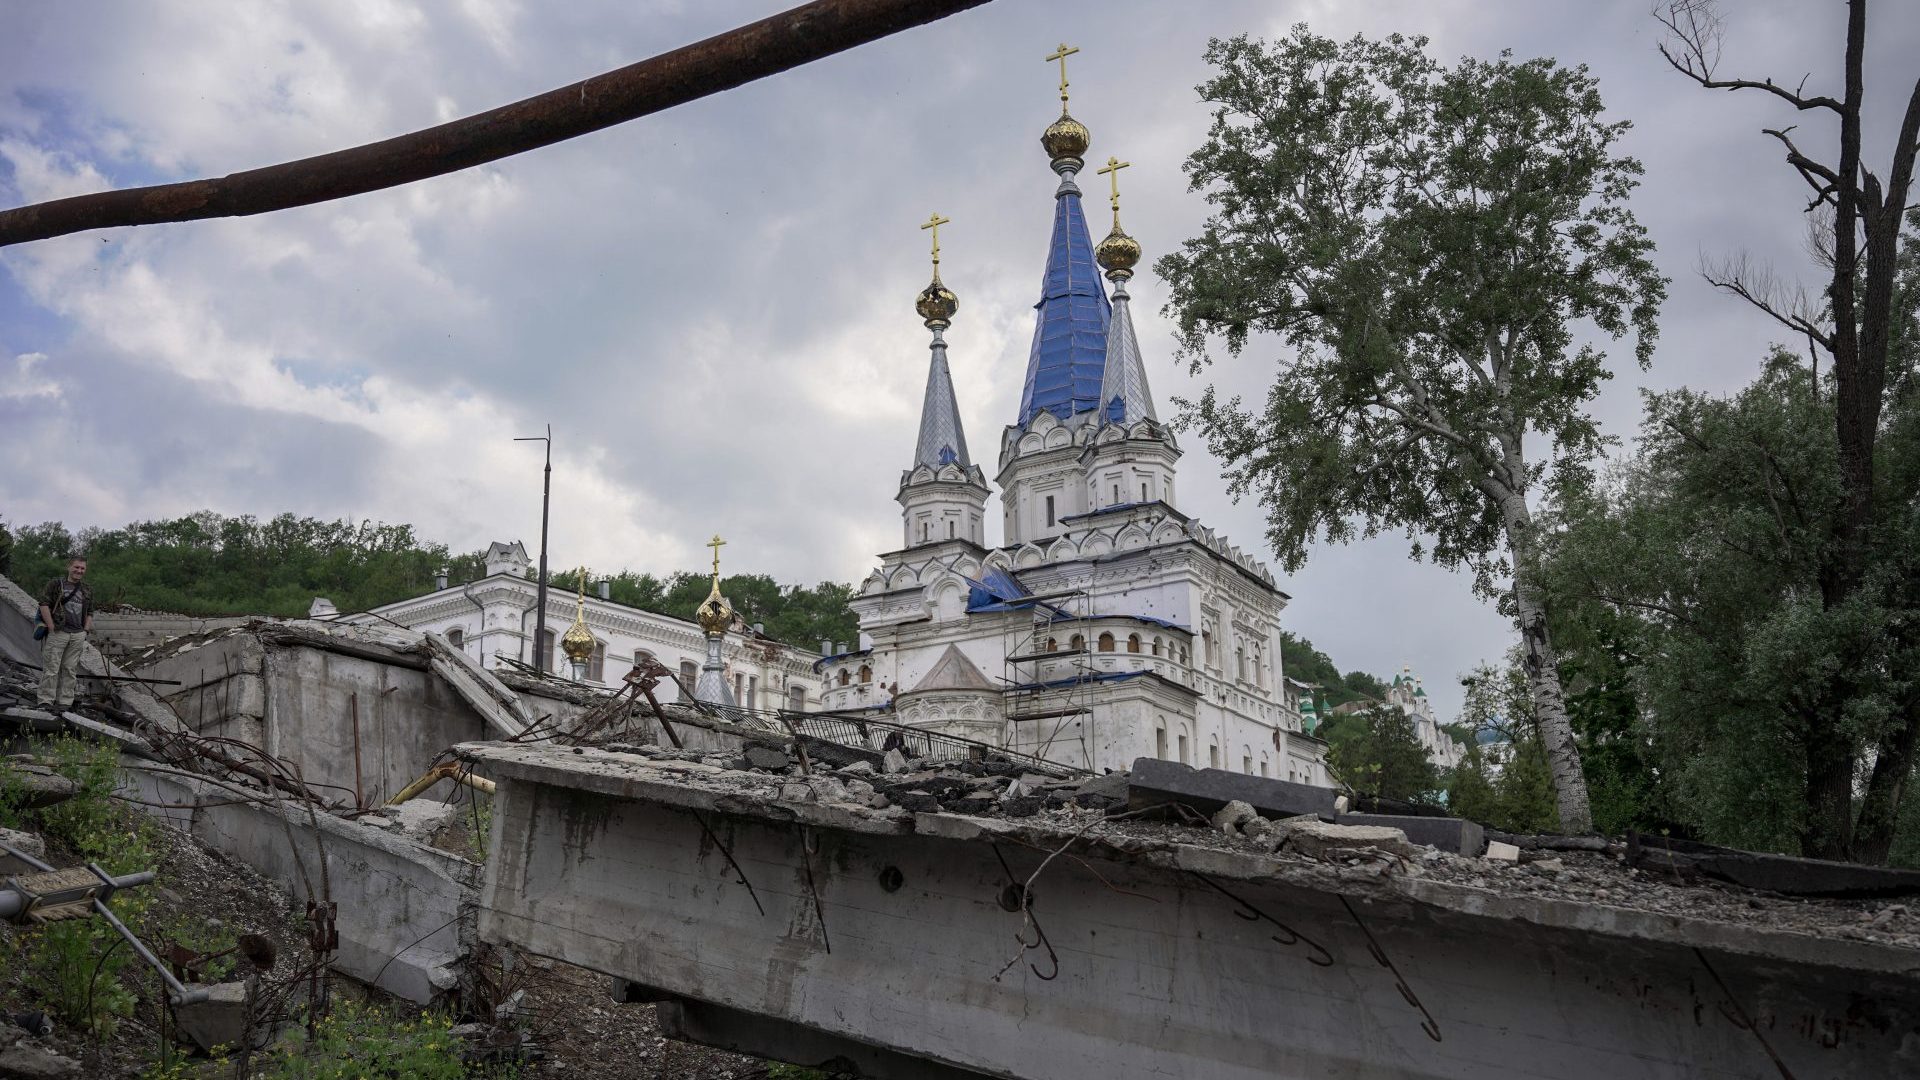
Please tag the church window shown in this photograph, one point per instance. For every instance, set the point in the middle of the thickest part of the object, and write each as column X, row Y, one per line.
column 797, row 698
column 739, row 688
column 1077, row 644
column 1160, row 742
column 1156, row 645
column 688, row 675
column 949, row 528
column 844, row 677
column 1049, row 510
column 1206, row 645
column 866, row 674
column 1133, row 643
column 597, row 663
column 1240, row 662
column 1213, row 754
column 456, row 637
column 545, row 648
column 1053, row 644
column 1106, row 642
column 1116, row 494
column 1183, row 750
column 752, row 700
column 923, row 532
column 640, row 657
column 1143, row 491
column 1263, row 765
column 1246, row 764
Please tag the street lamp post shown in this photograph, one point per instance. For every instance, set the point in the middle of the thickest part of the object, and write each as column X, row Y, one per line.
column 546, row 499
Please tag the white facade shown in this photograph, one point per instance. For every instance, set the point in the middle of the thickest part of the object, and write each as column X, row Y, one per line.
column 493, row 618
column 1406, row 692
column 1108, row 625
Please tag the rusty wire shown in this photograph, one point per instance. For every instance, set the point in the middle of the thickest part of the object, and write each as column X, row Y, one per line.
column 742, row 55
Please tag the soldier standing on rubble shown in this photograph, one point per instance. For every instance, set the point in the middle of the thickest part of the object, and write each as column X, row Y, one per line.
column 66, row 607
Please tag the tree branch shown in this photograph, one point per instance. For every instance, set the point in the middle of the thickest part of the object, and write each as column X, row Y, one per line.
column 1809, row 169
column 1699, row 37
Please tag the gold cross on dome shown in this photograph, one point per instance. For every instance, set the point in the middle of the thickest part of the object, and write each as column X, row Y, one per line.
column 934, row 222
column 1112, row 173
column 1065, row 50
column 716, row 544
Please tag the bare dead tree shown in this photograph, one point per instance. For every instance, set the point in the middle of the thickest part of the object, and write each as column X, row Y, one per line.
column 772, row 45
column 1856, row 332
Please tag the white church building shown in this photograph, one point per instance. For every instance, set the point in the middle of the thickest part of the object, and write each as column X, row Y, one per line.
column 1108, row 625
column 495, row 620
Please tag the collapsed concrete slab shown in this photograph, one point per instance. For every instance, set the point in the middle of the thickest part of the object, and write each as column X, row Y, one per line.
column 350, row 708
column 1067, row 945
column 405, row 915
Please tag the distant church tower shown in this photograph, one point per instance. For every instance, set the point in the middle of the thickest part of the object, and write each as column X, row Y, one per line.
column 943, row 494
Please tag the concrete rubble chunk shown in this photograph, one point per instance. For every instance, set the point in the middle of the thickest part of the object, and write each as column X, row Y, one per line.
column 40, row 786
column 1455, row 835
column 1230, row 818
column 27, row 844
column 1311, row 836
column 893, row 761
column 28, row 1061
column 766, row 757
column 1501, row 851
column 858, row 768
column 1153, row 782
column 220, row 1020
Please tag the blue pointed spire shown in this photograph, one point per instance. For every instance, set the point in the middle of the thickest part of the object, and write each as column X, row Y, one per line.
column 1070, row 333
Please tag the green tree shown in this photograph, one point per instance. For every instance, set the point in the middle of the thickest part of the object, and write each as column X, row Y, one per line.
column 1427, row 240
column 1376, row 751
column 1705, row 554
column 1503, row 779
column 1857, row 323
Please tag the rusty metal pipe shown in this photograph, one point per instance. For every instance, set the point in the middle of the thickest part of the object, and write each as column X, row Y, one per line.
column 768, row 47
column 446, row 770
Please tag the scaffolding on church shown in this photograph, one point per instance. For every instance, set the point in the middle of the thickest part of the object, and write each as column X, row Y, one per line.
column 1038, row 692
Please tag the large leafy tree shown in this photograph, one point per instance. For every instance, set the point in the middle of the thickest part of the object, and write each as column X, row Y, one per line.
column 1854, row 320
column 1374, row 750
column 1428, row 243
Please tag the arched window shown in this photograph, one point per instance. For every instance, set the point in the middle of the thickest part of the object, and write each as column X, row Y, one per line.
column 1213, row 752
column 689, row 673
column 597, row 663
column 1206, row 645
column 1156, row 645
column 1160, row 741
column 1240, row 663
column 866, row 674
column 456, row 637
column 1133, row 643
column 1106, row 642
column 844, row 677
column 1053, row 644
column 1077, row 643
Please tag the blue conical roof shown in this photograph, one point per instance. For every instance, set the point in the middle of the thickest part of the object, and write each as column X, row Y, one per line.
column 1070, row 333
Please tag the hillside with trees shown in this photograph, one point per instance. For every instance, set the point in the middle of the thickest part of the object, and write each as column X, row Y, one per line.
column 209, row 564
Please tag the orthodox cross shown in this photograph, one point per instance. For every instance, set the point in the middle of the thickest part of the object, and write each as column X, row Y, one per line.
column 1112, row 173
column 934, row 222
column 716, row 544
column 1065, row 50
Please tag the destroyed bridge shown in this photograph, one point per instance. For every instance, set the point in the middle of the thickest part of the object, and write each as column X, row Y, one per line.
column 890, row 903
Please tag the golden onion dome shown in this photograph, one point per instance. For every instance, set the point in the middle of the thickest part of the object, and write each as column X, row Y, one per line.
column 936, row 304
column 578, row 642
column 1118, row 253
column 714, row 613
column 1066, row 138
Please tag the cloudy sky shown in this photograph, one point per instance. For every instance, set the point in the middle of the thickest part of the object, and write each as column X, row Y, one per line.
column 713, row 307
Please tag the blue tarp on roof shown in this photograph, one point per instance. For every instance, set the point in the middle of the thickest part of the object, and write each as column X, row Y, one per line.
column 1069, row 352
column 996, row 590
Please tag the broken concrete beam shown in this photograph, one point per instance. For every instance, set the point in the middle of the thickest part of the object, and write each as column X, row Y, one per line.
column 127, row 741
column 31, row 719
column 1771, row 873
column 1153, row 782
column 1447, row 834
column 1501, row 851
